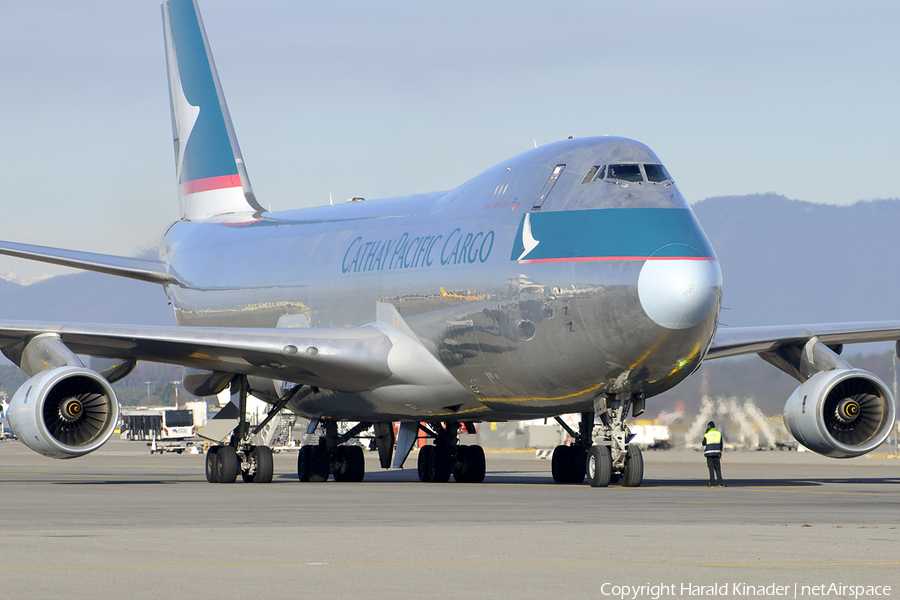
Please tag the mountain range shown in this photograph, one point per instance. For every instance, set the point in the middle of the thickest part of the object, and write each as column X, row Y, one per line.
column 786, row 261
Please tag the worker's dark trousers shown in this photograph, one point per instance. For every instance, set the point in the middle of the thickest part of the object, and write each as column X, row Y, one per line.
column 714, row 463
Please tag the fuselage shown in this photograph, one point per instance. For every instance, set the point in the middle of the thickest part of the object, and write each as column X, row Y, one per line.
column 571, row 270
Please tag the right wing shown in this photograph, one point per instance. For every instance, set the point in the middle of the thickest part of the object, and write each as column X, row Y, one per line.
column 342, row 359
column 153, row 271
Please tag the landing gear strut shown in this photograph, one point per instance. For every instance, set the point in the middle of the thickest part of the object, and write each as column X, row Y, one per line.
column 626, row 459
column 254, row 463
column 448, row 457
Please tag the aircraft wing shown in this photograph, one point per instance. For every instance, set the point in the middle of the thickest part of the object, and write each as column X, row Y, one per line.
column 342, row 359
column 152, row 271
column 735, row 341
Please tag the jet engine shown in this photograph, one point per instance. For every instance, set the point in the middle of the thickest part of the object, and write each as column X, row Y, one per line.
column 841, row 413
column 64, row 412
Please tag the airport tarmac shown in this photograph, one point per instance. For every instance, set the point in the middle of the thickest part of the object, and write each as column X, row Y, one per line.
column 122, row 523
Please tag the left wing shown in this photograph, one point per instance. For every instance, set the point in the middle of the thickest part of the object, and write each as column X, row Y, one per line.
column 735, row 341
column 837, row 411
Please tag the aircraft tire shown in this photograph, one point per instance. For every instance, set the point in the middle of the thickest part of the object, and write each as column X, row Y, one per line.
column 441, row 464
column 462, row 464
column 212, row 464
column 422, row 464
column 577, row 463
column 228, row 464
column 343, row 462
column 633, row 474
column 476, row 464
column 319, row 470
column 599, row 466
column 265, row 464
column 356, row 463
column 559, row 464
column 304, row 463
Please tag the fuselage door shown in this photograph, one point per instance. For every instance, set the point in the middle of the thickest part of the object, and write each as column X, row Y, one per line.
column 548, row 187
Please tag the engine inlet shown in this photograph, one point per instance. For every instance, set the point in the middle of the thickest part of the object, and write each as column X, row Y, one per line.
column 854, row 411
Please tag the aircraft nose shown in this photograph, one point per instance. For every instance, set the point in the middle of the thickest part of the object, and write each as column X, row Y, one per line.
column 676, row 290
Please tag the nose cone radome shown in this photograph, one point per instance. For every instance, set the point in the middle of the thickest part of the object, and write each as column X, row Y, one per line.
column 678, row 291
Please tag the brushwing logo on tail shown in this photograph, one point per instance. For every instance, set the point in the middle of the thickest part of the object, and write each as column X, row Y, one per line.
column 184, row 114
column 206, row 150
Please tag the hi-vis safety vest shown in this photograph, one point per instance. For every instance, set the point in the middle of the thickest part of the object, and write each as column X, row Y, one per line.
column 713, row 439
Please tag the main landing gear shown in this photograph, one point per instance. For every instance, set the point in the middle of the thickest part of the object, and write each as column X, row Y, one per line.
column 240, row 456
column 609, row 457
column 448, row 457
column 254, row 463
column 330, row 457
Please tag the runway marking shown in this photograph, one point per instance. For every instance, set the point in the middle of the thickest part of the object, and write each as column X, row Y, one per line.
column 292, row 505
column 451, row 564
column 792, row 491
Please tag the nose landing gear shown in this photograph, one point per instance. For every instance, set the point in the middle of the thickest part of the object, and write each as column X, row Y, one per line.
column 607, row 457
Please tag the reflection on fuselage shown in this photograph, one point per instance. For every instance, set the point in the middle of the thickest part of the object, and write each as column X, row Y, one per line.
column 533, row 307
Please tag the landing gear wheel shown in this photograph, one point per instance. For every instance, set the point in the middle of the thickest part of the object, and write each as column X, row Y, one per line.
column 469, row 464
column 351, row 463
column 356, row 463
column 475, row 468
column 228, row 464
column 340, row 459
column 461, row 464
column 212, row 464
column 568, row 464
column 304, row 463
column 560, row 463
column 319, row 467
column 633, row 474
column 265, row 464
column 599, row 466
column 440, row 464
column 422, row 464
column 577, row 464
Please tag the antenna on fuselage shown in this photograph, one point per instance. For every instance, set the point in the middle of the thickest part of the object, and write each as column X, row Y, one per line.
column 330, row 199
column 534, row 142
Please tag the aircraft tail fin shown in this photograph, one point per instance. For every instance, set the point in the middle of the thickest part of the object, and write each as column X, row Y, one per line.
column 212, row 179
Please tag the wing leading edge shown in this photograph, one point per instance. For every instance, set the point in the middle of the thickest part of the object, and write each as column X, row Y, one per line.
column 341, row 359
column 737, row 341
column 153, row 271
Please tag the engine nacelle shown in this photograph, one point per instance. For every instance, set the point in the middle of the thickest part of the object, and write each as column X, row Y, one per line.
column 840, row 413
column 65, row 412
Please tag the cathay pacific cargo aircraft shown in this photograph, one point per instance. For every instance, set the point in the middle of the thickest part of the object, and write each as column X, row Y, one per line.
column 573, row 278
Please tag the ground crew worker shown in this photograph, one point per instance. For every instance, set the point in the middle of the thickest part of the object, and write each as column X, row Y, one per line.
column 712, row 442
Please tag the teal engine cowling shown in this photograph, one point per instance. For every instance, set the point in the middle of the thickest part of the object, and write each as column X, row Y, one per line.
column 64, row 412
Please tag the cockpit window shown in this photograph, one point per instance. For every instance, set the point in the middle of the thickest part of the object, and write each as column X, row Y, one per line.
column 594, row 173
column 626, row 173
column 656, row 173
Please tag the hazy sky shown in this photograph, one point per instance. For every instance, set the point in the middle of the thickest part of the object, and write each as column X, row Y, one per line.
column 389, row 98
